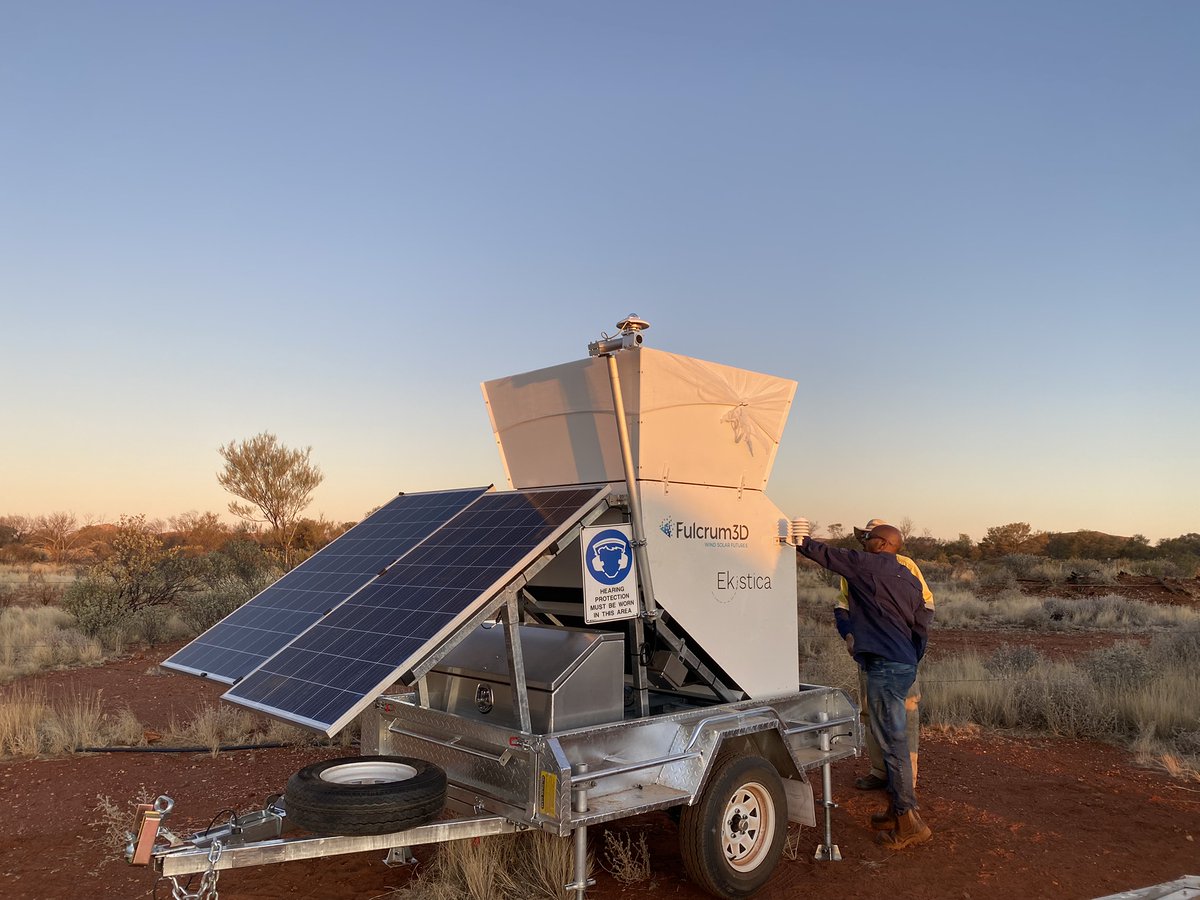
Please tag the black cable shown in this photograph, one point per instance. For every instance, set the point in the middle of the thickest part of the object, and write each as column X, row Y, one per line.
column 223, row 748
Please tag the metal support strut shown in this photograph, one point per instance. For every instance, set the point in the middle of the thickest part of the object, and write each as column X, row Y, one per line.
column 580, row 805
column 827, row 851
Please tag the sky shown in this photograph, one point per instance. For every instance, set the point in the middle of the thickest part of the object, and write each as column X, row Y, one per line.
column 971, row 232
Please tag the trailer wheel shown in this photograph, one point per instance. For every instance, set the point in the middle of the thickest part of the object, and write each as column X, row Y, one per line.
column 733, row 836
column 365, row 794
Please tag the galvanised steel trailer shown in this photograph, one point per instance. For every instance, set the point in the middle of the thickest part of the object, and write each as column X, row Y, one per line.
column 539, row 659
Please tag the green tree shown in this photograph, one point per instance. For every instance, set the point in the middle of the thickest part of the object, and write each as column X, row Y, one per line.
column 276, row 482
column 140, row 569
column 199, row 533
column 1016, row 537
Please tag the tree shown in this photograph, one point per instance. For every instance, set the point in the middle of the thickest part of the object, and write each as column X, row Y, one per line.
column 199, row 533
column 58, row 535
column 140, row 569
column 276, row 481
column 1016, row 537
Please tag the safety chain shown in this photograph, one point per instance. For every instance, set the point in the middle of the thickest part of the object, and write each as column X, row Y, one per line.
column 208, row 881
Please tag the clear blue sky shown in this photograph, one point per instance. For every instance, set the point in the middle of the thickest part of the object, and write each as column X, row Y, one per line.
column 971, row 231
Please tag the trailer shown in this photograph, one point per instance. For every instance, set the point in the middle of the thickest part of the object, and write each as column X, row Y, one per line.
column 614, row 634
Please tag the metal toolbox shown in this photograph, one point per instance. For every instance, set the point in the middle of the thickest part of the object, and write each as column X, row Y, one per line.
column 574, row 678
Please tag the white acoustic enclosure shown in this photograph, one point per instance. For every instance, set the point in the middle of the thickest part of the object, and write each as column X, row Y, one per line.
column 703, row 438
column 689, row 420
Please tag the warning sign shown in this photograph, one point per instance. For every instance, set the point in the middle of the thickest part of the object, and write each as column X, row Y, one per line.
column 610, row 588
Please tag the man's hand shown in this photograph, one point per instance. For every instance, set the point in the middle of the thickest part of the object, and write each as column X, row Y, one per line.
column 850, row 644
column 801, row 528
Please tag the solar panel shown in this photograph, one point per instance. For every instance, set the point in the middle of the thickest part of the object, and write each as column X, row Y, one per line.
column 336, row 668
column 255, row 631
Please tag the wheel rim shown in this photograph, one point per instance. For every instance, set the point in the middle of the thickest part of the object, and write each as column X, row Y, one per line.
column 749, row 827
column 372, row 772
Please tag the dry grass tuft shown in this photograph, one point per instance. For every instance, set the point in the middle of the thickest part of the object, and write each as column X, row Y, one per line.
column 625, row 857
column 36, row 638
column 30, row 725
column 215, row 724
column 21, row 713
column 791, row 841
column 78, row 721
column 532, row 865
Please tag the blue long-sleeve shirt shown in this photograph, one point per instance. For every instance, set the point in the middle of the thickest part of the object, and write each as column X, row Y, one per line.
column 887, row 613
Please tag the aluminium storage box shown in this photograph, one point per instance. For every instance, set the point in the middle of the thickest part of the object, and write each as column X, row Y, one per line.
column 574, row 678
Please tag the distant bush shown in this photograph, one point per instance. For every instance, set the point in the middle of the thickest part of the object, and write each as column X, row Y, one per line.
column 1123, row 665
column 1008, row 661
column 995, row 576
column 1179, row 649
column 99, row 609
column 201, row 611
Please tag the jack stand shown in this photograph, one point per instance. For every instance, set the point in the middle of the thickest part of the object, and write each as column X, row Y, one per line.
column 827, row 851
column 399, row 856
column 581, row 883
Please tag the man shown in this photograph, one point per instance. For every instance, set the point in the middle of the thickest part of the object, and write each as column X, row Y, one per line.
column 887, row 630
column 876, row 779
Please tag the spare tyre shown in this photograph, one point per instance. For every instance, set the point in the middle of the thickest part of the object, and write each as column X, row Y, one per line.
column 365, row 794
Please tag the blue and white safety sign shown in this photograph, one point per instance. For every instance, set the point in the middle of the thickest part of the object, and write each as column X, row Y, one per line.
column 610, row 588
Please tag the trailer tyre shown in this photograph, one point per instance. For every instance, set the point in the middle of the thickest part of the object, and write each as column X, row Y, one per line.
column 733, row 836
column 365, row 795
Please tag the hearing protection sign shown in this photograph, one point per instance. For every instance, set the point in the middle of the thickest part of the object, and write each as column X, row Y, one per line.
column 610, row 589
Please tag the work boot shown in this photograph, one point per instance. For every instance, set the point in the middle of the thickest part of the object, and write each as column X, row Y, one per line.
column 886, row 820
column 910, row 831
column 870, row 782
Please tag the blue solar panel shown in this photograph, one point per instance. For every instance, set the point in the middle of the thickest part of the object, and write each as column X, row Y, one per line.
column 339, row 665
column 255, row 631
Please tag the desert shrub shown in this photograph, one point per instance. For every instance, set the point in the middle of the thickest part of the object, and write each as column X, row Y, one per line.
column 958, row 608
column 33, row 638
column 1122, row 665
column 31, row 725
column 1060, row 699
column 78, row 721
column 1008, row 661
column 156, row 625
column 1023, row 565
column 1161, row 707
column 534, row 866
column 823, row 656
column 41, row 591
column 625, row 857
column 63, row 648
column 995, row 577
column 213, row 725
column 241, row 561
column 99, row 610
column 21, row 713
column 1175, row 649
column 1188, row 742
column 1155, row 568
column 202, row 610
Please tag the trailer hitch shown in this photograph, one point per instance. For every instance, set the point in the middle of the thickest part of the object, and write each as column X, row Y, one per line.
column 261, row 825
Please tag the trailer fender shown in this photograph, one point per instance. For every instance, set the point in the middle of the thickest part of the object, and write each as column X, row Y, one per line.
column 801, row 807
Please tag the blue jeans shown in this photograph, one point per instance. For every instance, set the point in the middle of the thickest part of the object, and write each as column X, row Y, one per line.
column 887, row 686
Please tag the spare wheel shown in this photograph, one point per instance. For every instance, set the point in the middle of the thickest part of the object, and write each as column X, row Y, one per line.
column 365, row 794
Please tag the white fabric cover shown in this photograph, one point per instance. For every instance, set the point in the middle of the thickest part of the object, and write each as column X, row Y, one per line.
column 690, row 421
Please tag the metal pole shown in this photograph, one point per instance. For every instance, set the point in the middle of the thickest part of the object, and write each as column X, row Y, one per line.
column 829, row 850
column 637, row 661
column 580, row 805
column 635, row 502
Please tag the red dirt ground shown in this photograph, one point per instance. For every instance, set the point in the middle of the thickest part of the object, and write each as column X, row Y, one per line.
column 1012, row 816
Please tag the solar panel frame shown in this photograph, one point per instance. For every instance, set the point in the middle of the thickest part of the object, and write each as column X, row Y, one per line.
column 277, row 686
column 254, row 632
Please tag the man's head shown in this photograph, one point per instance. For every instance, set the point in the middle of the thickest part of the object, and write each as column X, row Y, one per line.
column 883, row 539
column 862, row 533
